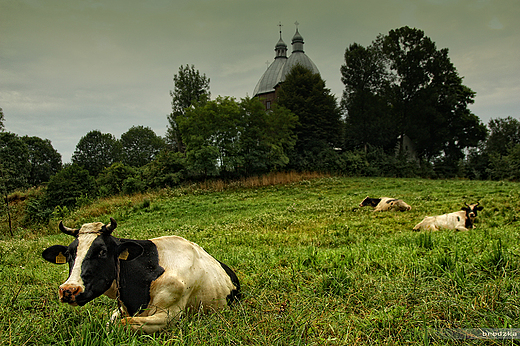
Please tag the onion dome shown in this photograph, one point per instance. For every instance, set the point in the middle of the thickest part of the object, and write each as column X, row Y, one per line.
column 272, row 75
column 281, row 66
column 298, row 57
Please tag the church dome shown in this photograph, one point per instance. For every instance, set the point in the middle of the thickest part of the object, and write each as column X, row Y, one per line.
column 271, row 77
column 298, row 57
column 281, row 66
column 280, row 44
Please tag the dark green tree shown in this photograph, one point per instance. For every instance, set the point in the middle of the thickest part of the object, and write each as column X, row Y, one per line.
column 404, row 78
column 504, row 135
column 427, row 97
column 505, row 166
column 495, row 158
column 2, row 119
column 140, row 145
column 111, row 181
column 229, row 138
column 96, row 151
column 167, row 170
column 210, row 133
column 365, row 77
column 68, row 186
column 14, row 163
column 265, row 137
column 319, row 125
column 44, row 159
column 14, row 167
column 190, row 87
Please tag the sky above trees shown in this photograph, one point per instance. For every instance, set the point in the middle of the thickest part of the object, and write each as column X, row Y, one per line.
column 69, row 67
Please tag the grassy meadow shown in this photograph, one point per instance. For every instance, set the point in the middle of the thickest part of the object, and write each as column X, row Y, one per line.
column 315, row 268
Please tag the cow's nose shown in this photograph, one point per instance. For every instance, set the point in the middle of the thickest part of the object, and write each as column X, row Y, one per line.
column 68, row 293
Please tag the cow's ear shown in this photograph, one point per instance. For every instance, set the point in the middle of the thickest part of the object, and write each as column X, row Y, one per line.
column 55, row 254
column 129, row 250
column 480, row 208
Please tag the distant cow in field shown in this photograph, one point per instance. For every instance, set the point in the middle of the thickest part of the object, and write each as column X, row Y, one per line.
column 385, row 204
column 153, row 280
column 460, row 220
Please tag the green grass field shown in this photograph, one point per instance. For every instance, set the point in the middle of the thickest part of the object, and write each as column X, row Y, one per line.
column 314, row 267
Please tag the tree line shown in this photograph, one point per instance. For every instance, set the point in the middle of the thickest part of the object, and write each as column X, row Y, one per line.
column 401, row 86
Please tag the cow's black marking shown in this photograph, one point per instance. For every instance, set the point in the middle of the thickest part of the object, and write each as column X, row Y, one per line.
column 137, row 275
column 234, row 294
column 469, row 222
column 373, row 202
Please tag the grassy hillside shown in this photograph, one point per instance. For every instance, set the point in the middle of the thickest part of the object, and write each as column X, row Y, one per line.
column 314, row 267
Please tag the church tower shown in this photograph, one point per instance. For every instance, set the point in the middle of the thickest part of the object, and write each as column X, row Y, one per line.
column 268, row 85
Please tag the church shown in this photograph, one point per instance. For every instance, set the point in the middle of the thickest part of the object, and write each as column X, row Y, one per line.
column 267, row 87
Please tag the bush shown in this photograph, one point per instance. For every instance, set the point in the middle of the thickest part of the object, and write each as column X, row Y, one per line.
column 167, row 170
column 111, row 180
column 506, row 166
column 37, row 210
column 133, row 185
column 68, row 186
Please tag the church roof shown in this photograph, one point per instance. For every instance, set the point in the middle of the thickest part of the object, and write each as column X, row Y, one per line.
column 271, row 77
column 282, row 65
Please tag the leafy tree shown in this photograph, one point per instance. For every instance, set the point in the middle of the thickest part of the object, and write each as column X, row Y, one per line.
column 190, row 87
column 2, row 119
column 365, row 77
column 210, row 133
column 506, row 166
column 428, row 100
column 68, row 186
column 14, row 167
column 96, row 151
column 140, row 146
column 44, row 159
column 403, row 76
column 265, row 136
column 504, row 135
column 111, row 180
column 14, row 163
column 229, row 138
column 494, row 158
column 167, row 170
column 319, row 125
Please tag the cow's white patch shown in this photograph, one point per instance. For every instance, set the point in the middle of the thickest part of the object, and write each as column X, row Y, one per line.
column 84, row 242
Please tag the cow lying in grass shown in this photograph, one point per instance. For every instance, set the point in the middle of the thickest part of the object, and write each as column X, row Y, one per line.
column 385, row 204
column 153, row 280
column 460, row 220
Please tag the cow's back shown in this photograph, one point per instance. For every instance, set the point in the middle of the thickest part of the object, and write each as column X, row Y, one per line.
column 190, row 273
column 387, row 204
column 453, row 220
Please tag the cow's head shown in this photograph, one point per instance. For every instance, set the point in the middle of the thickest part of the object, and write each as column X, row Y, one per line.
column 373, row 202
column 471, row 211
column 92, row 259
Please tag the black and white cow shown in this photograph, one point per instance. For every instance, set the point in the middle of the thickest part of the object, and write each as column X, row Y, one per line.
column 385, row 204
column 460, row 220
column 154, row 280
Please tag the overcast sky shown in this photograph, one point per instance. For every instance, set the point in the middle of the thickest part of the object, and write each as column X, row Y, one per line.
column 68, row 67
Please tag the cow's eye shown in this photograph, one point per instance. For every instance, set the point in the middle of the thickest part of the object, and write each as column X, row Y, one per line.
column 102, row 253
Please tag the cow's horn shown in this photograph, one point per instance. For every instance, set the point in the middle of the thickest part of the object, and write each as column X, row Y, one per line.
column 67, row 230
column 112, row 226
